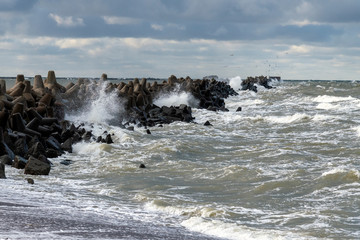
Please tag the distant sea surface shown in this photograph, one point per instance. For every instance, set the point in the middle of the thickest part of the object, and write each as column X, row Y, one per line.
column 285, row 167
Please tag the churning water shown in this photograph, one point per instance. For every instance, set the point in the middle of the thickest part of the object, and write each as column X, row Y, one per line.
column 285, row 167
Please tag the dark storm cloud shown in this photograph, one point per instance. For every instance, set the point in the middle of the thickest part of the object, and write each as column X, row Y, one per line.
column 188, row 19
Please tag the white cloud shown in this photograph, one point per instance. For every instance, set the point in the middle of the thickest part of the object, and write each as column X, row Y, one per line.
column 120, row 20
column 66, row 21
column 157, row 27
column 65, row 43
column 302, row 49
column 302, row 23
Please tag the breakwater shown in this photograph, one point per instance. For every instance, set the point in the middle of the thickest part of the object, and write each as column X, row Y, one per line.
column 32, row 125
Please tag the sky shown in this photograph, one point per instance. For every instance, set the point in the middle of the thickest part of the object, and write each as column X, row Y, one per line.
column 296, row 39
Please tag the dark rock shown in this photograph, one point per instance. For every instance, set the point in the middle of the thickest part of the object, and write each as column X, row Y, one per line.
column 21, row 148
column 5, row 159
column 52, row 153
column 2, row 170
column 66, row 162
column 67, row 145
column 19, row 162
column 148, row 131
column 30, row 180
column 142, row 165
column 36, row 150
column 51, row 142
column 207, row 123
column 130, row 128
column 108, row 139
column 87, row 136
column 36, row 167
column 239, row 109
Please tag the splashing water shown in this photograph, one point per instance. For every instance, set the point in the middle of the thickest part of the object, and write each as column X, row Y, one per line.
column 176, row 98
column 106, row 107
column 235, row 82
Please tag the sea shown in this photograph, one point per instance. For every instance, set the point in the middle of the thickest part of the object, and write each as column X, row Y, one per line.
column 285, row 167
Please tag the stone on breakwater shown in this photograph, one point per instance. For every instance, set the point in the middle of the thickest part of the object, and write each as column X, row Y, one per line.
column 35, row 166
column 2, row 170
column 249, row 83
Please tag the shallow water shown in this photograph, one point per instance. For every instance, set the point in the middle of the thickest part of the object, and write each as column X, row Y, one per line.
column 285, row 167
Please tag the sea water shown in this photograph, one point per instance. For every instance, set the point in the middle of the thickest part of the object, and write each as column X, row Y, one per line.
column 285, row 167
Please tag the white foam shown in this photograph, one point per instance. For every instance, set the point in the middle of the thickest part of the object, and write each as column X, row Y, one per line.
column 340, row 171
column 321, row 117
column 357, row 130
column 235, row 83
column 330, row 99
column 327, row 106
column 287, row 119
column 228, row 230
column 164, row 207
column 176, row 98
column 105, row 108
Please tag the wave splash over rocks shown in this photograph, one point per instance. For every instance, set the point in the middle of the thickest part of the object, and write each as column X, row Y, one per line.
column 32, row 118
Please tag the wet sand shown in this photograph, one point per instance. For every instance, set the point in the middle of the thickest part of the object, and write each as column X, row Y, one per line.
column 20, row 221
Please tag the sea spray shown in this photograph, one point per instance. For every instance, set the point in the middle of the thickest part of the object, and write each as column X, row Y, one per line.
column 102, row 107
column 235, row 83
column 176, row 98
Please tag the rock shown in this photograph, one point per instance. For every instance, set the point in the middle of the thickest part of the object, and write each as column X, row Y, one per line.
column 5, row 159
column 2, row 170
column 37, row 149
column 148, row 131
column 36, row 167
column 207, row 123
column 87, row 136
column 19, row 162
column 30, row 180
column 67, row 145
column 21, row 147
column 108, row 139
column 142, row 165
column 239, row 109
column 51, row 142
column 66, row 162
column 52, row 153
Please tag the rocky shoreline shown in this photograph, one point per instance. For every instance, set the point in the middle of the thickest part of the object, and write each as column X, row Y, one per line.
column 32, row 125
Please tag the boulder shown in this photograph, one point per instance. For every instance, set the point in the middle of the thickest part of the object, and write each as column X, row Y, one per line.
column 5, row 159
column 19, row 162
column 67, row 145
column 35, row 166
column 2, row 170
column 108, row 139
column 207, row 123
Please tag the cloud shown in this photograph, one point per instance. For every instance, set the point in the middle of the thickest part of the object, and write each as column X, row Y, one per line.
column 157, row 27
column 68, row 21
column 120, row 20
column 160, row 37
column 16, row 5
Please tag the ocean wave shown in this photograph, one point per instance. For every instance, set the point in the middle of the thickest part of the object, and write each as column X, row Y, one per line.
column 233, row 231
column 297, row 117
column 195, row 211
column 331, row 99
column 340, row 175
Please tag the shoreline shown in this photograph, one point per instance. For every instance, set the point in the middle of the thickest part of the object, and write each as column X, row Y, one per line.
column 34, row 222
